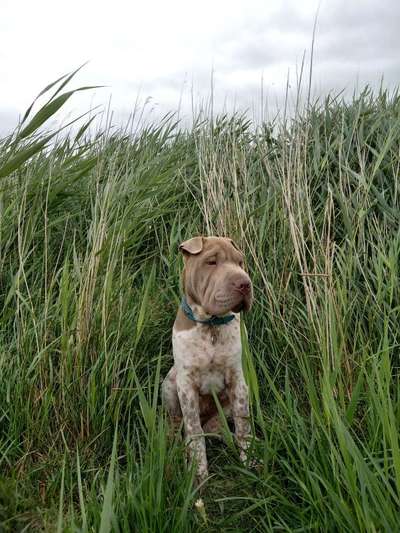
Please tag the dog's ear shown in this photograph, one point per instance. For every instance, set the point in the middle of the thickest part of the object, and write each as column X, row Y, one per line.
column 192, row 246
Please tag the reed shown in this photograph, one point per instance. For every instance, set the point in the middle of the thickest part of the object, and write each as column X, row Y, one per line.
column 89, row 284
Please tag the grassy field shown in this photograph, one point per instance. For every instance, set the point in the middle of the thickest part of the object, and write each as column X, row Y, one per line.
column 89, row 286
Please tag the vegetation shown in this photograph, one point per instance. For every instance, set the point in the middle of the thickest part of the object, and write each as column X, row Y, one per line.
column 89, row 286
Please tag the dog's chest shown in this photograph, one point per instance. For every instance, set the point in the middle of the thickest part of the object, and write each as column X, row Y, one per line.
column 205, row 355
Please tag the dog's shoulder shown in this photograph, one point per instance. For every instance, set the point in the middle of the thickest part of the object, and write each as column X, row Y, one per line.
column 182, row 322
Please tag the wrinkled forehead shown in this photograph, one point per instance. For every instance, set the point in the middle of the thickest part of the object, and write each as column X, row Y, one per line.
column 219, row 248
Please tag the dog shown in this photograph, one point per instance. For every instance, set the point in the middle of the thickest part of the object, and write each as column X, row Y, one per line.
column 207, row 346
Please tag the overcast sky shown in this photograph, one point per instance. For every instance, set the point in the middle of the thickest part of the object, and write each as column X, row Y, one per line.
column 166, row 50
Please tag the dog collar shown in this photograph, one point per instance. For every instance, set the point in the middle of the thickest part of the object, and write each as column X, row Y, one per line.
column 212, row 321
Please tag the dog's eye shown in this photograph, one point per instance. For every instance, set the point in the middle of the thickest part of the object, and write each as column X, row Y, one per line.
column 211, row 263
column 241, row 264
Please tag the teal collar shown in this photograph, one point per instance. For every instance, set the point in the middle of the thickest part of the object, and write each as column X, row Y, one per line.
column 212, row 321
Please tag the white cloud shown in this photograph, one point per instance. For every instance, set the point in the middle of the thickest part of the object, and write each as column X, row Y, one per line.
column 159, row 48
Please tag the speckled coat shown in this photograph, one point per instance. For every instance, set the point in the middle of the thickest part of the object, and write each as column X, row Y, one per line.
column 208, row 359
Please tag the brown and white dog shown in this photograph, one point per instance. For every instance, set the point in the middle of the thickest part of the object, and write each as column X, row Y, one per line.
column 207, row 347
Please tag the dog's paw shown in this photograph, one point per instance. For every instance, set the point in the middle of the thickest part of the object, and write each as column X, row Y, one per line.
column 250, row 462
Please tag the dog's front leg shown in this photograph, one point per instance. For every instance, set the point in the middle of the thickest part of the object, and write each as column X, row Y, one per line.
column 239, row 399
column 189, row 400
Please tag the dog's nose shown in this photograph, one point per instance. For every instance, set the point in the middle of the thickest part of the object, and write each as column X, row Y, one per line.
column 243, row 286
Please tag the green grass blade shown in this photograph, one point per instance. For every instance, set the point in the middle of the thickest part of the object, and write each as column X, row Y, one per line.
column 107, row 509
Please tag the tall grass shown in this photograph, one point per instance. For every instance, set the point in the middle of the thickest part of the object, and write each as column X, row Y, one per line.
column 89, row 285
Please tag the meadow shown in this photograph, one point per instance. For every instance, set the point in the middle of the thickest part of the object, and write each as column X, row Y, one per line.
column 90, row 283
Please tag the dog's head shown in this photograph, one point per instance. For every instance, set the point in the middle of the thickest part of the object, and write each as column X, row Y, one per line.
column 214, row 275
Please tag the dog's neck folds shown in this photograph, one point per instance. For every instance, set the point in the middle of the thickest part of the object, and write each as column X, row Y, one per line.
column 197, row 309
